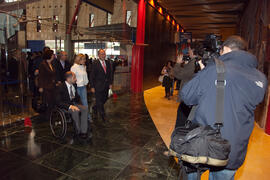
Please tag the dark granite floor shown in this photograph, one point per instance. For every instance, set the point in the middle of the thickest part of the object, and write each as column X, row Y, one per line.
column 127, row 148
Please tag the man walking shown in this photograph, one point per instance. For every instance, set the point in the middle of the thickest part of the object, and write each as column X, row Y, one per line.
column 101, row 82
column 245, row 88
column 61, row 66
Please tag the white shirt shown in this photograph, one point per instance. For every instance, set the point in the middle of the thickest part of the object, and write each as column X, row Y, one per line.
column 72, row 87
column 81, row 74
column 63, row 63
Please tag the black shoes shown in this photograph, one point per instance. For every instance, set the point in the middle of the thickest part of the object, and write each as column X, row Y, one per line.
column 83, row 136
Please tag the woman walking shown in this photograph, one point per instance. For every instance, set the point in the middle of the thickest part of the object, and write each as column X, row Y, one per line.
column 47, row 80
column 167, row 80
column 79, row 68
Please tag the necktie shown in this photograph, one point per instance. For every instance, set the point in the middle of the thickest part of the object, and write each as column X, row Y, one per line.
column 71, row 93
column 104, row 66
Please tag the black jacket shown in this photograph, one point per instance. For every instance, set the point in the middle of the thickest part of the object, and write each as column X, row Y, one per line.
column 98, row 78
column 46, row 77
column 60, row 71
column 245, row 88
column 63, row 98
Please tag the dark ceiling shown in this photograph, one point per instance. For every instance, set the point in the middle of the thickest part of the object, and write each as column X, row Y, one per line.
column 206, row 16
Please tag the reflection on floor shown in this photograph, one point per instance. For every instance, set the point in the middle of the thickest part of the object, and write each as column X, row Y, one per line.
column 15, row 107
column 163, row 113
column 128, row 148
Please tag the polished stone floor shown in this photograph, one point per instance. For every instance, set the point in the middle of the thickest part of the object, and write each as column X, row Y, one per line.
column 163, row 113
column 129, row 147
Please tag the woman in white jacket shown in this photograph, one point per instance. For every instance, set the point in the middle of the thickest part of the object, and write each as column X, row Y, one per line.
column 79, row 68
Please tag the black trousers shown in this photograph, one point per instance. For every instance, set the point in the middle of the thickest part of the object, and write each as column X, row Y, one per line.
column 178, row 82
column 49, row 99
column 101, row 98
column 167, row 90
column 182, row 114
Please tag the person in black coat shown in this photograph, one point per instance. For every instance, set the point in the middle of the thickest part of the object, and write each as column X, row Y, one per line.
column 61, row 66
column 47, row 80
column 68, row 99
column 101, row 82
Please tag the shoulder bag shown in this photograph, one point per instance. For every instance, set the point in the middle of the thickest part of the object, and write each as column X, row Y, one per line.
column 203, row 145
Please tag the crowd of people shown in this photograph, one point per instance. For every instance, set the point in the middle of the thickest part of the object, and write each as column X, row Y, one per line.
column 66, row 85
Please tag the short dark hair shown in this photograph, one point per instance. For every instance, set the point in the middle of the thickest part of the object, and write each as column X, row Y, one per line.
column 196, row 47
column 68, row 74
column 167, row 63
column 47, row 54
column 46, row 48
column 235, row 43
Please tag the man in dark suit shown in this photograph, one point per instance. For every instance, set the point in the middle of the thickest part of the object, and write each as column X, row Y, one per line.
column 101, row 82
column 68, row 99
column 61, row 66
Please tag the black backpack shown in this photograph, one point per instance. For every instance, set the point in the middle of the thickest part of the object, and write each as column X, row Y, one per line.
column 203, row 146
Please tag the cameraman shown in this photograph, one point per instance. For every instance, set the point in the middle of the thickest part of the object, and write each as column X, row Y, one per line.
column 184, row 71
column 245, row 88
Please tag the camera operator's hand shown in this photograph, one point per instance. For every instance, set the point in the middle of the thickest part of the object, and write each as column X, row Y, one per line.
column 179, row 59
column 202, row 66
column 74, row 108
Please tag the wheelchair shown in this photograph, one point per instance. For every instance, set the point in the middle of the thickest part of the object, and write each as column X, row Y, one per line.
column 59, row 120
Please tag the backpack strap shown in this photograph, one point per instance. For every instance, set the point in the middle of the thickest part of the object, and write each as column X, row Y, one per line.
column 220, row 84
column 192, row 113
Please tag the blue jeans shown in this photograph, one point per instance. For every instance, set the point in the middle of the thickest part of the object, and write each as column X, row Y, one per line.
column 83, row 95
column 216, row 175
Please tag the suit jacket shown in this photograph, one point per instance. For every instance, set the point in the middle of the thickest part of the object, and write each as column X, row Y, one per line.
column 60, row 71
column 98, row 78
column 63, row 99
column 47, row 77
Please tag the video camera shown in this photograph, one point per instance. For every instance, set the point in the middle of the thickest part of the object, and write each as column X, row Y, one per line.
column 211, row 48
column 205, row 50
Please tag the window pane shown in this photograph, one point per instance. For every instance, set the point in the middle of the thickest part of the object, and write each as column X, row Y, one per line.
column 38, row 24
column 109, row 18
column 91, row 20
column 128, row 18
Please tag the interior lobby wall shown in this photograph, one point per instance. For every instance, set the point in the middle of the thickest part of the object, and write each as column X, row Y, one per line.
column 159, row 35
column 254, row 27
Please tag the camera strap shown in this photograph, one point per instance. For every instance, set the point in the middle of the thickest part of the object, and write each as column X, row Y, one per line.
column 220, row 84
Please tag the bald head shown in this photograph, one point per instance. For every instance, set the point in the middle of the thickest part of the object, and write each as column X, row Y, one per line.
column 102, row 54
column 70, row 77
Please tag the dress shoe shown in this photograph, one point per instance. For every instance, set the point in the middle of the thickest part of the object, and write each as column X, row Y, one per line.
column 84, row 136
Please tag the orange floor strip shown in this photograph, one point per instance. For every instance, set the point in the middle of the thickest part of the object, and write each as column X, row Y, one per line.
column 163, row 113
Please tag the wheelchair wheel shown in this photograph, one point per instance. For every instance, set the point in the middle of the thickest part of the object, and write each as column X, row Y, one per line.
column 58, row 123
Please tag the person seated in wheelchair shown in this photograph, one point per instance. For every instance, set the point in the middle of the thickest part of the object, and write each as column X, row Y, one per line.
column 69, row 100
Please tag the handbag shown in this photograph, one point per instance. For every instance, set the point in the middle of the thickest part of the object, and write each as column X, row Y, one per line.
column 110, row 93
column 160, row 78
column 203, row 145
